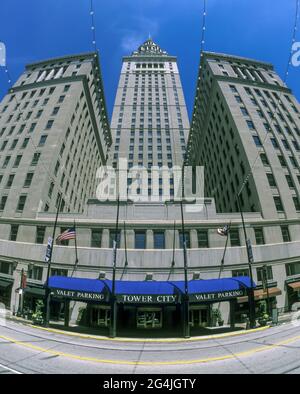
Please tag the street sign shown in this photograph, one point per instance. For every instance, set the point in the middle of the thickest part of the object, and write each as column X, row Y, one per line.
column 250, row 251
column 48, row 250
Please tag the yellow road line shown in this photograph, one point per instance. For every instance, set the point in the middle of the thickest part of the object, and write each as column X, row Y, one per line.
column 148, row 340
column 151, row 363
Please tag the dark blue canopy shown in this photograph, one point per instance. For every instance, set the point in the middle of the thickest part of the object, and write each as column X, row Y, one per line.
column 215, row 285
column 76, row 284
column 150, row 287
column 139, row 287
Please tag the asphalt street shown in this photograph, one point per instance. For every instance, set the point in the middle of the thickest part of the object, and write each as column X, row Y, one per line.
column 29, row 350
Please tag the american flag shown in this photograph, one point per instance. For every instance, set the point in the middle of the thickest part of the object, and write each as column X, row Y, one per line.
column 66, row 235
column 224, row 231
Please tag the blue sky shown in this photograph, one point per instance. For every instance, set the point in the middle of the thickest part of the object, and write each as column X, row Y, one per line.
column 35, row 29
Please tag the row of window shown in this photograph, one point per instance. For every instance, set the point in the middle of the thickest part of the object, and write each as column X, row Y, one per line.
column 35, row 272
column 159, row 241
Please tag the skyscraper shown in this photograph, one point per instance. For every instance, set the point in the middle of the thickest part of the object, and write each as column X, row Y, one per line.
column 54, row 133
column 245, row 118
column 150, row 122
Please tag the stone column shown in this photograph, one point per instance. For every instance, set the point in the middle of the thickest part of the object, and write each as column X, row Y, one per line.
column 149, row 239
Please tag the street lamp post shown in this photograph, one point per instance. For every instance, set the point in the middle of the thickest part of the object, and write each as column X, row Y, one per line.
column 250, row 261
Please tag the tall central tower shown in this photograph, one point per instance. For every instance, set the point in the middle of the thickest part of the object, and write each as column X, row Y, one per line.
column 150, row 123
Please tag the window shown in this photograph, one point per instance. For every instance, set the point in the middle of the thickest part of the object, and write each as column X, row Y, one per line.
column 35, row 159
column 257, row 140
column 274, row 143
column 28, row 179
column 10, row 180
column 264, row 159
column 43, row 140
column 159, row 240
column 250, row 124
column 292, row 269
column 6, row 268
column 3, row 202
column 59, row 272
column 240, row 272
column 34, row 272
column 96, row 238
column 203, row 239
column 245, row 112
column 17, row 161
column 260, row 274
column 235, row 237
column 6, row 161
column 14, row 144
column 140, row 239
column 285, row 234
column 49, row 124
column 296, row 203
column 278, row 204
column 21, row 203
column 13, row 232
column 259, row 236
column 25, row 143
column 187, row 239
column 290, row 181
column 40, row 234
column 271, row 180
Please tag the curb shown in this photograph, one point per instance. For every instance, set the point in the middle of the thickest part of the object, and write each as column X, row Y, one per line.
column 144, row 340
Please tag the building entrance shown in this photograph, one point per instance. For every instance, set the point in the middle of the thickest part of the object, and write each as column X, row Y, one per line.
column 199, row 316
column 100, row 316
column 149, row 318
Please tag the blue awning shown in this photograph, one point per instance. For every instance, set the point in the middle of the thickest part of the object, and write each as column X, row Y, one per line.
column 209, row 290
column 139, row 287
column 215, row 285
column 76, row 284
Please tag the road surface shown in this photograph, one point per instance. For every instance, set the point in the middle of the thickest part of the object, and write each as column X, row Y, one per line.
column 28, row 350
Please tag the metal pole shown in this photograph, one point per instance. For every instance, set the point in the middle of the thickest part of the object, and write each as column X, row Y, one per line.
column 251, row 289
column 265, row 273
column 20, row 308
column 113, row 317
column 47, row 290
column 125, row 244
column 224, row 254
column 186, row 325
column 76, row 253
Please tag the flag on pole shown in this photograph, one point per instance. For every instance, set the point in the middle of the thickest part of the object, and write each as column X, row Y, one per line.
column 224, row 231
column 66, row 235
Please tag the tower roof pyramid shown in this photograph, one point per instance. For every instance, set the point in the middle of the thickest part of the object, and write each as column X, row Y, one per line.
column 149, row 48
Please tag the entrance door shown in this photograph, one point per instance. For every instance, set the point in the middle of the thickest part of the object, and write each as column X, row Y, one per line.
column 100, row 316
column 199, row 317
column 149, row 318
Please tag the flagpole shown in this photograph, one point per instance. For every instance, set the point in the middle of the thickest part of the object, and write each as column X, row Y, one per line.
column 224, row 253
column 76, row 253
column 47, row 290
column 113, row 317
column 125, row 242
column 186, row 290
column 173, row 255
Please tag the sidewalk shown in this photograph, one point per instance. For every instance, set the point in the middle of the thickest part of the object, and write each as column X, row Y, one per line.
column 102, row 335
